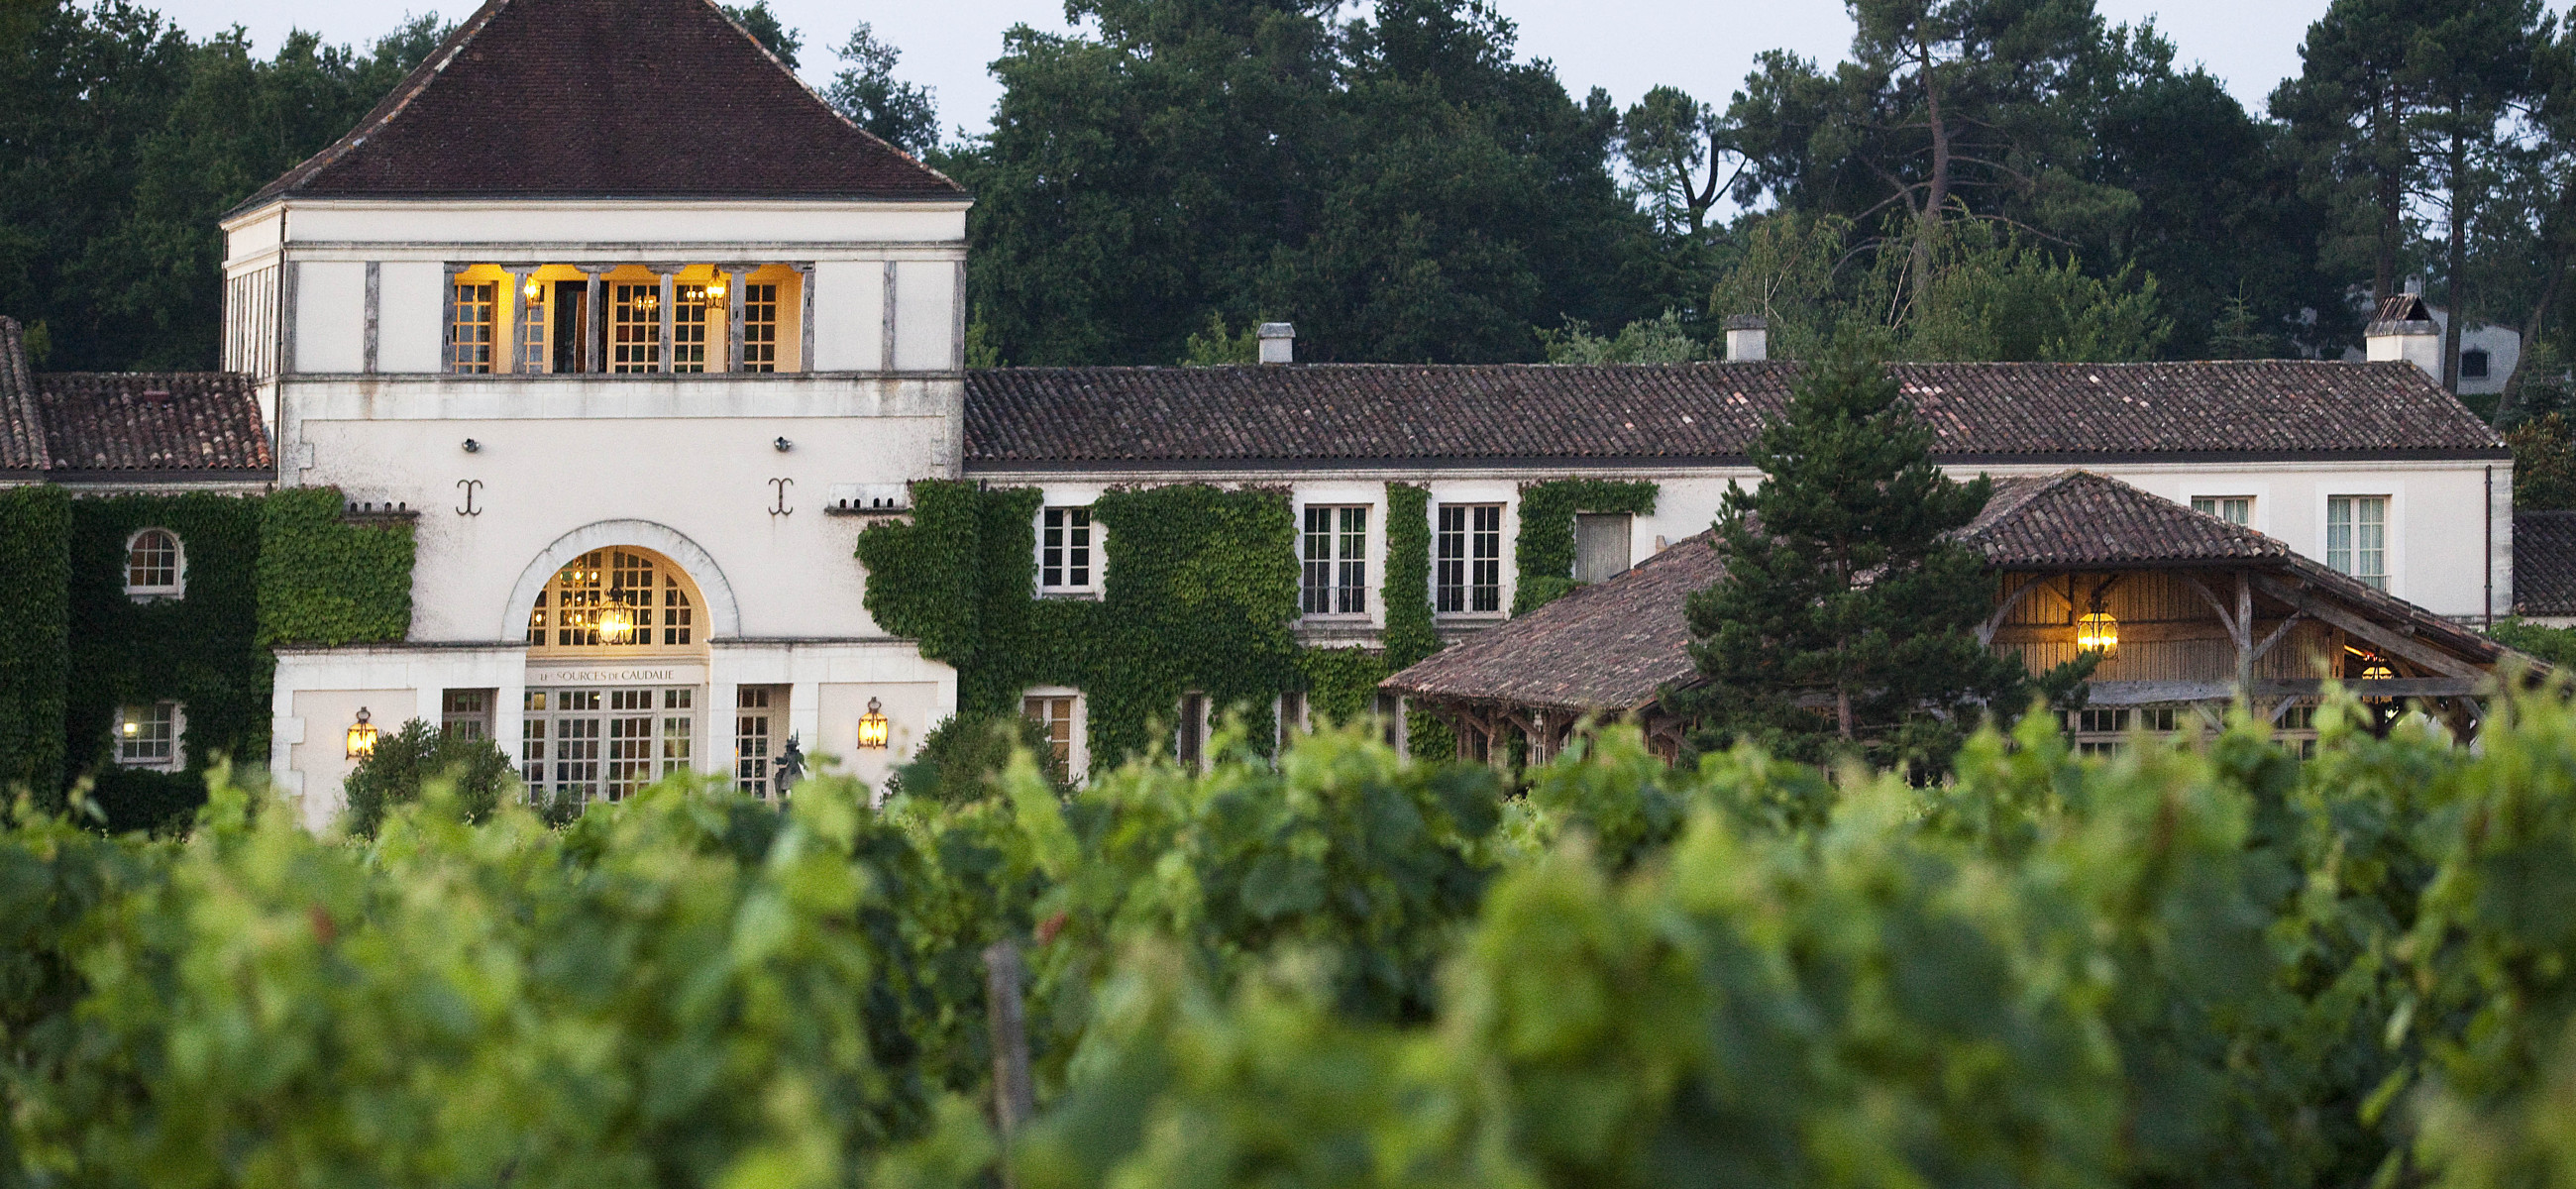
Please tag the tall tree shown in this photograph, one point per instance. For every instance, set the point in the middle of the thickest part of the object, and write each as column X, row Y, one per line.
column 1846, row 622
column 900, row 113
column 2473, row 64
column 1400, row 187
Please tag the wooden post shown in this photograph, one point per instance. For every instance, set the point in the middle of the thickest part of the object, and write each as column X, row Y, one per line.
column 1014, row 1096
column 2242, row 631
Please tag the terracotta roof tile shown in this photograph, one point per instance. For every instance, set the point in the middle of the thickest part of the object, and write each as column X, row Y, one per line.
column 22, row 427
column 2078, row 518
column 606, row 98
column 2067, row 412
column 196, row 424
column 2544, row 563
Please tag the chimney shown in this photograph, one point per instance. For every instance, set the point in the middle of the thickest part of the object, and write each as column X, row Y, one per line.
column 2405, row 329
column 1278, row 342
column 1748, row 338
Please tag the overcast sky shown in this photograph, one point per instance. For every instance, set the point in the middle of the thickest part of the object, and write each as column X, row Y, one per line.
column 1624, row 45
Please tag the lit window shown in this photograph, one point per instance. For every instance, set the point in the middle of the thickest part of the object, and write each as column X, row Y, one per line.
column 1054, row 714
column 1335, row 573
column 2357, row 537
column 635, row 328
column 152, row 563
column 147, row 736
column 472, row 326
column 689, row 316
column 760, row 328
column 1064, row 549
column 533, row 316
column 2237, row 510
column 1470, row 576
column 615, row 599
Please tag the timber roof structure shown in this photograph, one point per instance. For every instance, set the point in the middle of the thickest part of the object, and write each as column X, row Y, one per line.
column 606, row 99
column 2544, row 563
column 127, row 427
column 1613, row 647
column 1149, row 418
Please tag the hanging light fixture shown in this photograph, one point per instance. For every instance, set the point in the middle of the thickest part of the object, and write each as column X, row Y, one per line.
column 715, row 289
column 2378, row 670
column 616, row 624
column 873, row 728
column 362, row 737
column 2098, row 631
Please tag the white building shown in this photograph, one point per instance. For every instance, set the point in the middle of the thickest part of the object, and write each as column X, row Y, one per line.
column 640, row 349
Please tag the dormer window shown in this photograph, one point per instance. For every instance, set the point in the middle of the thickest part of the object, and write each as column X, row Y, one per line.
column 154, row 566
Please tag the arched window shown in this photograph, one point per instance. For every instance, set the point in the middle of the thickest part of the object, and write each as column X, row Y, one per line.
column 154, row 566
column 616, row 600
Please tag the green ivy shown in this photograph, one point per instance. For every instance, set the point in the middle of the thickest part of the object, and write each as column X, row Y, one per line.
column 323, row 580
column 199, row 650
column 35, row 572
column 1410, row 634
column 1545, row 550
column 1202, row 584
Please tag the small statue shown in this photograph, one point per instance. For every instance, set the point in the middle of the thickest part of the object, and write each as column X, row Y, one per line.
column 790, row 766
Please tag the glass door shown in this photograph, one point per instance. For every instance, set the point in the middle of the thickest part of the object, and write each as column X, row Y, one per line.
column 581, row 745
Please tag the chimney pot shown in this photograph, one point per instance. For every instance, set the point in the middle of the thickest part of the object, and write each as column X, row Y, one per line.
column 1748, row 338
column 1278, row 342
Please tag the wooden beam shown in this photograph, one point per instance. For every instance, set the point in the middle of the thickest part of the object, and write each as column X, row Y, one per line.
column 1986, row 630
column 2142, row 693
column 2210, row 597
column 2378, row 636
column 2278, row 634
column 2243, row 632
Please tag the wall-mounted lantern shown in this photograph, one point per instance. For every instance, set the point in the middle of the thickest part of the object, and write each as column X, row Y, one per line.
column 362, row 737
column 534, row 288
column 874, row 731
column 2098, row 632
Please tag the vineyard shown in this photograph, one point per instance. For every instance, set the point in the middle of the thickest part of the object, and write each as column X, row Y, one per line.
column 2213, row 964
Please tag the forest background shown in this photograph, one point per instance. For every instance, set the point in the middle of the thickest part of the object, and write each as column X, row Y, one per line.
column 1996, row 179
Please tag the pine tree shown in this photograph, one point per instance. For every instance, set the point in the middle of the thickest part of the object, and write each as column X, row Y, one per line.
column 1846, row 623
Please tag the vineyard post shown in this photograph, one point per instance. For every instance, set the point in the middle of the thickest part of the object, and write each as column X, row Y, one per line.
column 1014, row 1097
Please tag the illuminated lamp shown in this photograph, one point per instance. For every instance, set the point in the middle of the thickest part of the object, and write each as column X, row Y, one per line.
column 362, row 736
column 2098, row 632
column 616, row 625
column 873, row 728
column 534, row 288
column 2378, row 670
column 715, row 290
column 131, row 726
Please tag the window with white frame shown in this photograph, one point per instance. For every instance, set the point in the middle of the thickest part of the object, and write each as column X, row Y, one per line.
column 474, row 315
column 1469, row 571
column 1335, row 552
column 147, row 735
column 2357, row 537
column 1059, row 715
column 2237, row 510
column 155, row 567
column 1064, row 550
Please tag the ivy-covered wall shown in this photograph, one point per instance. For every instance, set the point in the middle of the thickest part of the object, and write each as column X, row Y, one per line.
column 1544, row 553
column 35, row 572
column 200, row 650
column 323, row 580
column 281, row 568
column 1200, row 593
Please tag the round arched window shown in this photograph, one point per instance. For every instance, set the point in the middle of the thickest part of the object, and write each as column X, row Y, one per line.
column 615, row 600
column 153, row 565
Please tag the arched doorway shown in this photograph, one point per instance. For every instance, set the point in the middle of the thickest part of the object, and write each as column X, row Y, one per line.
column 617, row 649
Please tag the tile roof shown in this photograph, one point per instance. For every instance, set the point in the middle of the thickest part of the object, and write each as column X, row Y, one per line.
column 150, row 426
column 2078, row 518
column 605, row 99
column 2544, row 563
column 1109, row 417
column 22, row 428
column 1608, row 646
column 1614, row 645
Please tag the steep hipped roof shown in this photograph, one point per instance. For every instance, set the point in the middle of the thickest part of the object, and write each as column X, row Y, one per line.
column 2544, row 563
column 1608, row 646
column 22, row 427
column 153, row 427
column 605, row 99
column 1613, row 646
column 1111, row 417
